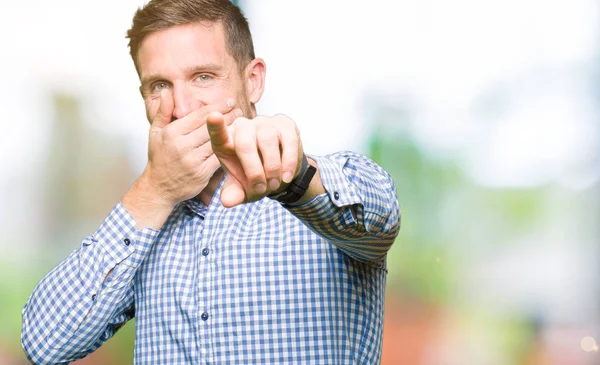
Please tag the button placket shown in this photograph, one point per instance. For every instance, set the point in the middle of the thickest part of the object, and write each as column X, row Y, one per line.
column 203, row 301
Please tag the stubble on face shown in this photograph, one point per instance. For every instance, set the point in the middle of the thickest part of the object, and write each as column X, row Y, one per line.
column 244, row 104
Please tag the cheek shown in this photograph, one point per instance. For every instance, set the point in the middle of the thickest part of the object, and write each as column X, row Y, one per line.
column 218, row 95
column 206, row 96
column 215, row 94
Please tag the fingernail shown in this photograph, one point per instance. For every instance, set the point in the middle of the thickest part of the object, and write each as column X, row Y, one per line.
column 260, row 188
column 230, row 102
column 287, row 177
column 273, row 184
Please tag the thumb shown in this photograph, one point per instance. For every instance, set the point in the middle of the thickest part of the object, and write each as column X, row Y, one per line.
column 232, row 192
column 164, row 114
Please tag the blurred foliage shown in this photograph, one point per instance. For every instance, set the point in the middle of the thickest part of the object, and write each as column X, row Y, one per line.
column 122, row 344
column 14, row 293
column 418, row 261
column 446, row 217
column 448, row 224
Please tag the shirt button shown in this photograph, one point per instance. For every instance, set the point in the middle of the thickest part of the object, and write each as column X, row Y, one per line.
column 204, row 316
column 336, row 195
column 93, row 297
column 205, row 251
column 126, row 241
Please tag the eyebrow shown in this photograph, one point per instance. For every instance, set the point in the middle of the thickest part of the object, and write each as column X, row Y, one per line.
column 210, row 67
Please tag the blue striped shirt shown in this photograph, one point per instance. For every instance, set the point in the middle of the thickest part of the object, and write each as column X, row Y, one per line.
column 260, row 283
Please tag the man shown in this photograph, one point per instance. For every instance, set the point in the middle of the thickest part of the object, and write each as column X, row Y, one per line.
column 232, row 246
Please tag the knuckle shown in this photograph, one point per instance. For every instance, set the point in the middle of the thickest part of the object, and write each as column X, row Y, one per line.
column 205, row 150
column 188, row 162
column 266, row 134
column 178, row 148
column 255, row 177
column 282, row 118
column 289, row 162
column 272, row 167
column 244, row 143
column 244, row 146
column 169, row 132
column 267, row 138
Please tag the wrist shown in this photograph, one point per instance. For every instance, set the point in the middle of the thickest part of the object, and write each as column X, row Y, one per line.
column 146, row 204
column 294, row 191
column 148, row 190
column 315, row 188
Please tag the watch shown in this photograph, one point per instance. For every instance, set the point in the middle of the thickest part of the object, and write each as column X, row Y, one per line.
column 297, row 187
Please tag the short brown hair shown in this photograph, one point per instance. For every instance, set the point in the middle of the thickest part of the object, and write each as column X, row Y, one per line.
column 162, row 14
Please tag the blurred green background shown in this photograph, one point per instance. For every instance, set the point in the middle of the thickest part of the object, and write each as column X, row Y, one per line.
column 484, row 112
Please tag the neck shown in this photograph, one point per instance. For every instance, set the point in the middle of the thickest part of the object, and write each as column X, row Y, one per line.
column 206, row 195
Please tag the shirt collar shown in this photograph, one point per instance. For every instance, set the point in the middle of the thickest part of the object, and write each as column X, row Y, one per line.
column 197, row 206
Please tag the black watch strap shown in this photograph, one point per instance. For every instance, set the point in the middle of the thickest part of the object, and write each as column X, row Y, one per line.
column 296, row 189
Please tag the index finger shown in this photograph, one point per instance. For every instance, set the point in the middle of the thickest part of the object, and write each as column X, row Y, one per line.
column 217, row 130
column 197, row 118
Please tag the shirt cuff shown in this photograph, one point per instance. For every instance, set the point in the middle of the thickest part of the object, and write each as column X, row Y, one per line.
column 121, row 241
column 339, row 193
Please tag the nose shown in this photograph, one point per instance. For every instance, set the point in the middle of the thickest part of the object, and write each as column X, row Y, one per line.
column 184, row 102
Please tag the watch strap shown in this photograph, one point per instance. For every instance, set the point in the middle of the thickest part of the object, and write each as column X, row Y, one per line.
column 297, row 187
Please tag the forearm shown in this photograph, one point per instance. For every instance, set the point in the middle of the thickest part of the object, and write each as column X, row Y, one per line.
column 75, row 308
column 358, row 209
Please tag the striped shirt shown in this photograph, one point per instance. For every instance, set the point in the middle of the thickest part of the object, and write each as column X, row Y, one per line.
column 260, row 283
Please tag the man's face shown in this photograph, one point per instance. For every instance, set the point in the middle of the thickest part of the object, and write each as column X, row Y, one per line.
column 192, row 61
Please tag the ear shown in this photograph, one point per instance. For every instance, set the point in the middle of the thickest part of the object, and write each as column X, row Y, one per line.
column 255, row 79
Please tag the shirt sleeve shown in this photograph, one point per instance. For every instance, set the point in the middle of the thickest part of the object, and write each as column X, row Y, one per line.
column 359, row 212
column 76, row 308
